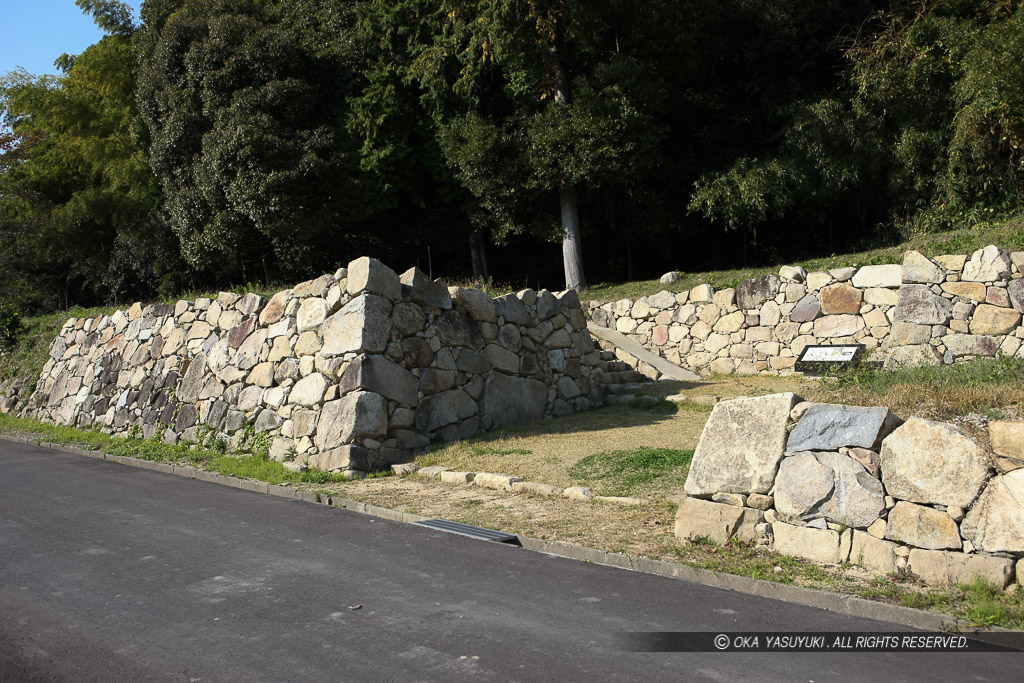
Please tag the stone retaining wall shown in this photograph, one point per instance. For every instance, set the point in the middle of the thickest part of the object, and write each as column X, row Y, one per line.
column 835, row 483
column 348, row 372
column 945, row 310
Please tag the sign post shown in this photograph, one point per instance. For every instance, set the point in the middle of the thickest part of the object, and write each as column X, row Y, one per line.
column 817, row 360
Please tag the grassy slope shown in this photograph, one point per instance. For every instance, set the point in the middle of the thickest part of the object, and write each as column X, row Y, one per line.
column 1008, row 236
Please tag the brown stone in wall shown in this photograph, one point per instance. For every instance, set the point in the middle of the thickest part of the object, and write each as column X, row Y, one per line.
column 840, row 298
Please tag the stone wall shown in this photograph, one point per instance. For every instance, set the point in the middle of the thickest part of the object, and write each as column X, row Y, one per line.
column 347, row 372
column 945, row 310
column 835, row 483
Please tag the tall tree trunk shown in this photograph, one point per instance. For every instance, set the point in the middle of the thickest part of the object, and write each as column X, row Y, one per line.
column 572, row 244
column 478, row 255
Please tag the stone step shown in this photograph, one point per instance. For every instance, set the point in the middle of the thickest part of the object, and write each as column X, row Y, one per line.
column 659, row 365
column 624, row 388
column 619, row 399
column 617, row 366
column 625, row 377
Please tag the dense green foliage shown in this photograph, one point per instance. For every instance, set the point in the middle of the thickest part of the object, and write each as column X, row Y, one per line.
column 218, row 142
column 926, row 133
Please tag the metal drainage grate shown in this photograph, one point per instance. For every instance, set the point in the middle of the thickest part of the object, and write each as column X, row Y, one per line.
column 468, row 530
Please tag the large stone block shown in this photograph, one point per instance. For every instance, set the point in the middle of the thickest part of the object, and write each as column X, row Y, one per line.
column 439, row 410
column 381, row 376
column 890, row 276
column 369, row 275
column 312, row 313
column 816, row 545
column 511, row 400
column 828, row 485
column 838, row 326
column 970, row 345
column 513, row 310
column 919, row 268
column 873, row 553
column 750, row 294
column 994, row 320
column 922, row 527
column 1015, row 291
column 195, row 378
column 342, row 458
column 996, row 523
column 418, row 286
column 806, row 310
column 1007, row 438
column 478, row 304
column 697, row 518
column 309, row 390
column 946, row 569
column 829, row 427
column 741, row 445
column 933, row 463
column 840, row 298
column 987, row 265
column 802, row 485
column 919, row 304
column 458, row 328
column 908, row 334
column 363, row 325
column 360, row 414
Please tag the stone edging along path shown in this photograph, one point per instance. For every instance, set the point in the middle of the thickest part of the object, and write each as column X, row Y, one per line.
column 834, row 602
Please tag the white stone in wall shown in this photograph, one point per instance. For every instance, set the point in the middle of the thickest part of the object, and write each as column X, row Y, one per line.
column 702, row 294
column 919, row 268
column 838, row 326
column 312, row 314
column 817, row 280
column 878, row 276
column 662, row 300
column 770, row 315
column 987, row 265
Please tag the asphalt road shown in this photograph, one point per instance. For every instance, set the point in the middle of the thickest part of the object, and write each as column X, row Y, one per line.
column 111, row 573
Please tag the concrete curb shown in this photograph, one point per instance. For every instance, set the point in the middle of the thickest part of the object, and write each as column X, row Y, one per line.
column 833, row 602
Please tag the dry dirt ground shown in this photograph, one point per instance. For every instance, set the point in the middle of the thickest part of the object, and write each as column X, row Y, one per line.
column 545, row 451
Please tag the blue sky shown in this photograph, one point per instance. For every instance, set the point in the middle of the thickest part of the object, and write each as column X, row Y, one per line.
column 33, row 33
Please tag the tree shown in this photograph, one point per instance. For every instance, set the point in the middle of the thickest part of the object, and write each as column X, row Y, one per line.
column 77, row 200
column 531, row 101
column 926, row 132
column 244, row 138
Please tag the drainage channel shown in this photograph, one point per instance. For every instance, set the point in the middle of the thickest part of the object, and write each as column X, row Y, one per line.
column 476, row 532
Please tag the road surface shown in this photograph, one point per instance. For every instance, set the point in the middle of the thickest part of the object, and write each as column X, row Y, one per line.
column 112, row 573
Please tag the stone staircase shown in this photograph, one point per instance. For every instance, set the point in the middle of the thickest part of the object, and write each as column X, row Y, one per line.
column 621, row 379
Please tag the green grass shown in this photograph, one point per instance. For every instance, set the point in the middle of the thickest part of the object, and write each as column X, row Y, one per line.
column 1008, row 235
column 621, row 473
column 29, row 353
column 986, row 385
column 251, row 466
column 490, row 450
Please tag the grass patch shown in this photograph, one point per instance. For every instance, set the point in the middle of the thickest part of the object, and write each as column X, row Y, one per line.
column 251, row 466
column 491, row 450
column 31, row 348
column 622, row 473
column 988, row 385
